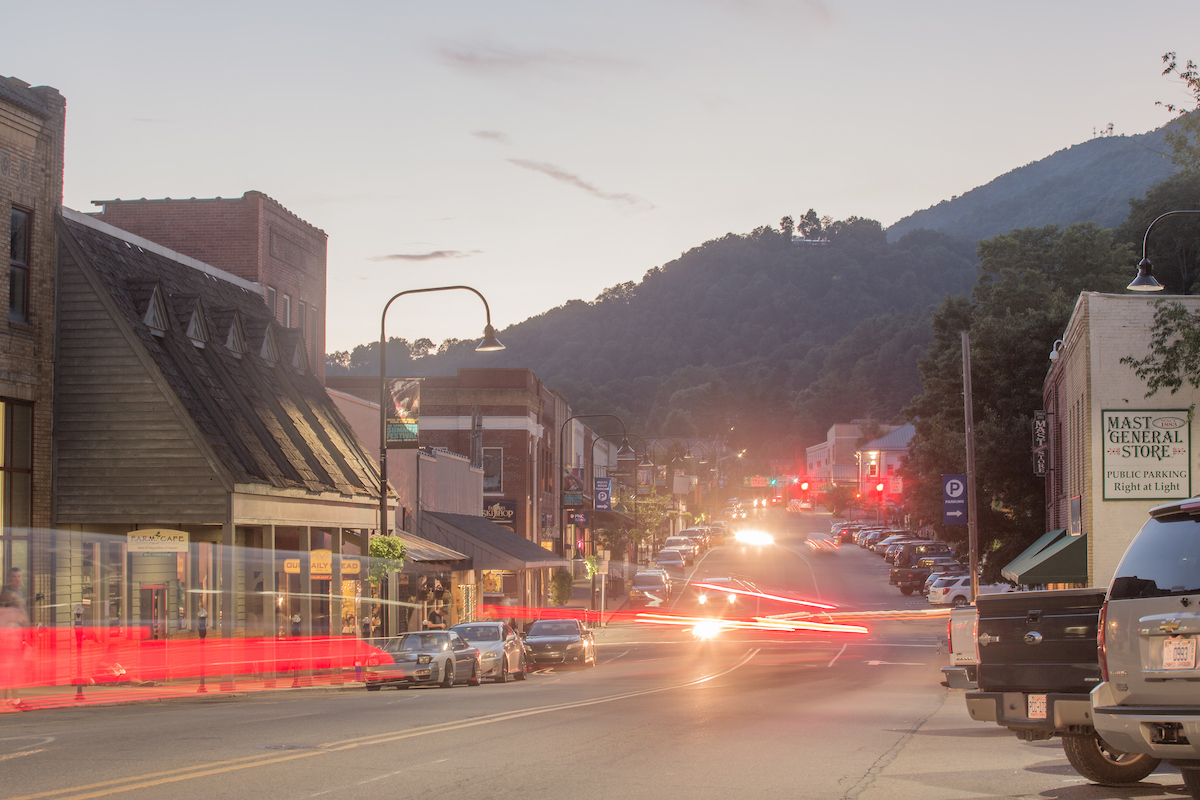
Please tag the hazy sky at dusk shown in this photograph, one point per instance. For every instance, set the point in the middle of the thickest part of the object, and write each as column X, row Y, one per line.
column 542, row 151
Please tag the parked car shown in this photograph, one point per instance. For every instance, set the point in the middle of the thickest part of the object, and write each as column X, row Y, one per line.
column 650, row 588
column 501, row 652
column 440, row 658
column 684, row 545
column 670, row 559
column 954, row 570
column 561, row 641
column 1148, row 698
column 956, row 591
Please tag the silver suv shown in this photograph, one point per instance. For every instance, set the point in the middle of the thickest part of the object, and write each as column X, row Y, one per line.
column 1149, row 700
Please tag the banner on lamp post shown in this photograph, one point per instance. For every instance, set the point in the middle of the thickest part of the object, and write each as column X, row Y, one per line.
column 403, row 406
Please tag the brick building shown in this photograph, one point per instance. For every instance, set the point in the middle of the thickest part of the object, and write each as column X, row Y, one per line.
column 31, row 179
column 253, row 237
column 1104, row 474
column 507, row 422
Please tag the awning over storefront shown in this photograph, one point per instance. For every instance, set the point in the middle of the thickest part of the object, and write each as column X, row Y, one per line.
column 1057, row 557
column 425, row 556
column 488, row 545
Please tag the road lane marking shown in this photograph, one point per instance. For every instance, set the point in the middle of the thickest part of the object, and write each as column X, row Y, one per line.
column 614, row 658
column 839, row 654
column 233, row 765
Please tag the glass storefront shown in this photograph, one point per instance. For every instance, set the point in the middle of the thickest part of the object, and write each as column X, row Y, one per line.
column 16, row 490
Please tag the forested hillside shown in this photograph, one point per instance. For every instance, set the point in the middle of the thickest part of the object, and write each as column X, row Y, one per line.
column 1089, row 182
column 751, row 331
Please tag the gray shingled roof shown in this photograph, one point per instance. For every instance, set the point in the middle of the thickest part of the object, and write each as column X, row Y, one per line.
column 896, row 440
column 268, row 424
column 491, row 538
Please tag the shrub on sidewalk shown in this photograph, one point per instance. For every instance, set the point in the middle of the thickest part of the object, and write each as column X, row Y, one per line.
column 560, row 588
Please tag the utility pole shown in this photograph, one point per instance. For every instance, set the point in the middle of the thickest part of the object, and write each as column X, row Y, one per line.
column 969, row 414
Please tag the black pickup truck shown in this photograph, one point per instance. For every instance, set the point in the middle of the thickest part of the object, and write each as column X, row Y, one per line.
column 1037, row 664
column 910, row 575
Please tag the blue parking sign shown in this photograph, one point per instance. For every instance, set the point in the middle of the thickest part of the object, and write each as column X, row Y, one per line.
column 954, row 499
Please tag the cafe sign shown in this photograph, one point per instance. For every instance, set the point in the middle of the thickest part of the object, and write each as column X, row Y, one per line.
column 157, row 541
column 1147, row 454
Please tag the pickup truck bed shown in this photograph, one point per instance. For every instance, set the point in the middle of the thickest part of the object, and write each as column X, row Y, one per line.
column 1037, row 661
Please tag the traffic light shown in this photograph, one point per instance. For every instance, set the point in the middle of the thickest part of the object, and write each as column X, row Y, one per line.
column 879, row 488
column 804, row 486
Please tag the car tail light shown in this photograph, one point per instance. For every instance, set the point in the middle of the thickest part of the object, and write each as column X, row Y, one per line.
column 1103, row 657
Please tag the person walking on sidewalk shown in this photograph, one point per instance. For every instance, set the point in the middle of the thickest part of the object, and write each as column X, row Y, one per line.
column 12, row 644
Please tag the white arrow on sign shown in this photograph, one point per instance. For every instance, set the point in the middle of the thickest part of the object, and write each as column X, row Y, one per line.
column 954, row 513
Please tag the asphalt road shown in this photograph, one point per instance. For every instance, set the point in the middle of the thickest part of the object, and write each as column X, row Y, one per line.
column 760, row 715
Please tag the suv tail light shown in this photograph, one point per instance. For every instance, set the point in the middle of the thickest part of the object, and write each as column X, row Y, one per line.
column 1100, row 641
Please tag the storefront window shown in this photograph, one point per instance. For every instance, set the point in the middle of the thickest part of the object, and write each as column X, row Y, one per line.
column 16, row 489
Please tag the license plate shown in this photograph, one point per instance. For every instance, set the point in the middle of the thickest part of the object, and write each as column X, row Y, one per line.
column 1037, row 706
column 1179, row 653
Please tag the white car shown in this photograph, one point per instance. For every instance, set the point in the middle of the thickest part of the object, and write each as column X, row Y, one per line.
column 956, row 591
column 500, row 651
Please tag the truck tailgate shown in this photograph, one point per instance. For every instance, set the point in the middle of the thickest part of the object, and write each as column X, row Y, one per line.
column 1039, row 641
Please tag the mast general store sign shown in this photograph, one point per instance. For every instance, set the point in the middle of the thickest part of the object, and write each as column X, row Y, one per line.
column 1147, row 455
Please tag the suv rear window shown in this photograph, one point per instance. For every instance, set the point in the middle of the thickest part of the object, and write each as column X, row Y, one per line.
column 1162, row 561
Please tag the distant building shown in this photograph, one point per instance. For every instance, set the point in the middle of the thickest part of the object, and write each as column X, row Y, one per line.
column 32, row 121
column 253, row 237
column 879, row 463
column 835, row 460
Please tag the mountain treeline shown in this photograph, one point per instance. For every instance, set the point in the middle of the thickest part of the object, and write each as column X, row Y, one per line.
column 771, row 335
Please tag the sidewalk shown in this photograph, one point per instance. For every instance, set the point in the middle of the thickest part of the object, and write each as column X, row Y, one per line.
column 581, row 597
column 39, row 698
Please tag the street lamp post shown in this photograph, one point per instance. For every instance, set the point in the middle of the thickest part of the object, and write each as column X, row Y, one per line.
column 625, row 455
column 487, row 344
column 1145, row 282
column 562, row 511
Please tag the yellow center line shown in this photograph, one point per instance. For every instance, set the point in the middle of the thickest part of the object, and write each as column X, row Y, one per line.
column 154, row 779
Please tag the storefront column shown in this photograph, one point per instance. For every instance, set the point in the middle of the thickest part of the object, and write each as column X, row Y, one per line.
column 270, row 603
column 303, row 677
column 228, row 582
column 335, row 599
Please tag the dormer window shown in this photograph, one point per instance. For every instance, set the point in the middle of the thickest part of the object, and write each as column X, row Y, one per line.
column 270, row 348
column 156, row 313
column 197, row 329
column 235, row 341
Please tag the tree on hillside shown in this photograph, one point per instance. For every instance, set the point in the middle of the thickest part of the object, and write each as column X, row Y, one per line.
column 1173, row 247
column 1184, row 139
column 1028, row 283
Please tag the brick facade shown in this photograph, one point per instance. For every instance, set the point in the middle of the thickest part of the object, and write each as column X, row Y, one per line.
column 521, row 418
column 253, row 237
column 31, row 177
column 1086, row 379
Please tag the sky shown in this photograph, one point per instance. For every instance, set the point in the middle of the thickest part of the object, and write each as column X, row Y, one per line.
column 544, row 151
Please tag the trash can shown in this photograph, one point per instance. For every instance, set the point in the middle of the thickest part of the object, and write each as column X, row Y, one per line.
column 616, row 586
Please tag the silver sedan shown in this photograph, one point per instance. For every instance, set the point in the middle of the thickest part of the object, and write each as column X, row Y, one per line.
column 500, row 649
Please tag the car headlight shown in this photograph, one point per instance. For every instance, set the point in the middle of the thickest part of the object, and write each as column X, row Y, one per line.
column 703, row 599
column 575, row 645
column 491, row 654
column 424, row 659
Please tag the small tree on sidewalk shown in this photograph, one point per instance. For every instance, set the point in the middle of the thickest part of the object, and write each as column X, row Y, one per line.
column 561, row 586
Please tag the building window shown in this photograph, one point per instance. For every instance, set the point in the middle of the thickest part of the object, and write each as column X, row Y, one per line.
column 20, row 228
column 302, row 319
column 493, row 465
column 286, row 311
column 16, row 480
column 271, row 300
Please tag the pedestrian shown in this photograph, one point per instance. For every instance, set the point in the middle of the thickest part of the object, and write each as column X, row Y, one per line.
column 12, row 644
column 436, row 620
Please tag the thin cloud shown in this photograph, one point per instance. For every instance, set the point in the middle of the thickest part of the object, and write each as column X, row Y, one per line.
column 490, row 58
column 630, row 201
column 433, row 255
column 492, row 136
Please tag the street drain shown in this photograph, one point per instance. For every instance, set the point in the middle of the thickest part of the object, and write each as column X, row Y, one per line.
column 287, row 747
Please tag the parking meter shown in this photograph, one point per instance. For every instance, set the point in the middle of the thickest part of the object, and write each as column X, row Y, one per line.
column 295, row 625
column 203, row 622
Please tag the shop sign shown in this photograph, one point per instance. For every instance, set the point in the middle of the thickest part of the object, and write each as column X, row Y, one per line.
column 577, row 518
column 573, row 498
column 157, row 542
column 1147, row 454
column 501, row 512
column 351, row 566
column 320, row 563
column 291, row 566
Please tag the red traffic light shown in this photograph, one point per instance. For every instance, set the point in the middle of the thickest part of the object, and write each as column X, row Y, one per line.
column 804, row 486
column 879, row 487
